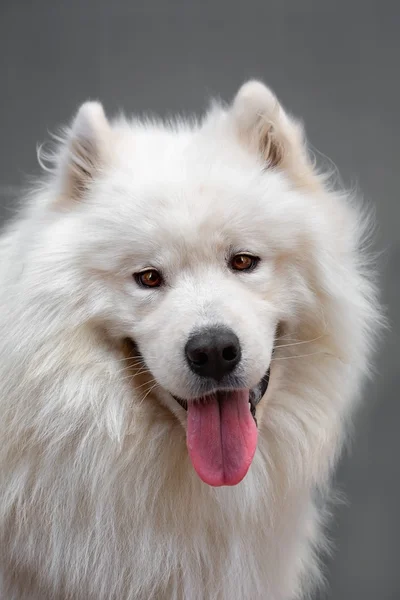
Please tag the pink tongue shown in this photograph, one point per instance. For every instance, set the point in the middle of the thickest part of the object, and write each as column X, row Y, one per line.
column 221, row 437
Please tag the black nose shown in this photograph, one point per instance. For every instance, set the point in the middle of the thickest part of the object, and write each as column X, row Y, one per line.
column 213, row 352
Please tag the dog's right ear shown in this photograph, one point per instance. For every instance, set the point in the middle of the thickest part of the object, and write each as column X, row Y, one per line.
column 86, row 151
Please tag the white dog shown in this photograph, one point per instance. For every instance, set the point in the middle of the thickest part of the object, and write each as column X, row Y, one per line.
column 185, row 320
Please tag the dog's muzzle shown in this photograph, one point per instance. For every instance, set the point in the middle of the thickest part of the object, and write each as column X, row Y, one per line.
column 255, row 395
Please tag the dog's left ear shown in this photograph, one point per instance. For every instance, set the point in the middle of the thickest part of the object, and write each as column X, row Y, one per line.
column 265, row 128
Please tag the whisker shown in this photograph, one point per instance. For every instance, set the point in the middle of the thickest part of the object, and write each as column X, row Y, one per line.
column 137, row 387
column 301, row 342
column 135, row 371
column 149, row 391
column 143, row 372
column 295, row 341
column 132, row 376
column 131, row 359
column 301, row 355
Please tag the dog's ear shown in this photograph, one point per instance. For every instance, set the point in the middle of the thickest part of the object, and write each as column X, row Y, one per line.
column 264, row 126
column 86, row 151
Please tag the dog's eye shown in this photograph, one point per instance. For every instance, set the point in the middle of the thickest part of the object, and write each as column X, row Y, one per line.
column 244, row 262
column 149, row 278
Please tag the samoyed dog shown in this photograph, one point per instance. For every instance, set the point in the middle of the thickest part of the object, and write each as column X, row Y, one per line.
column 186, row 316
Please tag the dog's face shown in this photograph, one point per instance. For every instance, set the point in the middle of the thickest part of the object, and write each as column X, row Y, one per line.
column 201, row 290
column 187, row 239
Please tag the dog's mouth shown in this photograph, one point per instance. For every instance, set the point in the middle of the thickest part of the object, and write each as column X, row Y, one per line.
column 222, row 432
column 255, row 395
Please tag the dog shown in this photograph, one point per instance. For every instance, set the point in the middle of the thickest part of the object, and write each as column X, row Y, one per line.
column 187, row 316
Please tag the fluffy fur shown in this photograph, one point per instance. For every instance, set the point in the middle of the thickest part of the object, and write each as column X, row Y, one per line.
column 99, row 500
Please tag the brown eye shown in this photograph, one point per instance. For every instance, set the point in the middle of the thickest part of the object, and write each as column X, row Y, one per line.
column 150, row 278
column 244, row 262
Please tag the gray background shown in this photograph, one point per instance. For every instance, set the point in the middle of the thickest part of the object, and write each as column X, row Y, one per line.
column 334, row 63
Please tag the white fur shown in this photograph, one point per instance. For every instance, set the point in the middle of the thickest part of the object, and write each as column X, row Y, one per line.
column 99, row 500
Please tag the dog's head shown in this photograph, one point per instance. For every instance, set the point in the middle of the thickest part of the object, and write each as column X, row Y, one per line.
column 192, row 241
